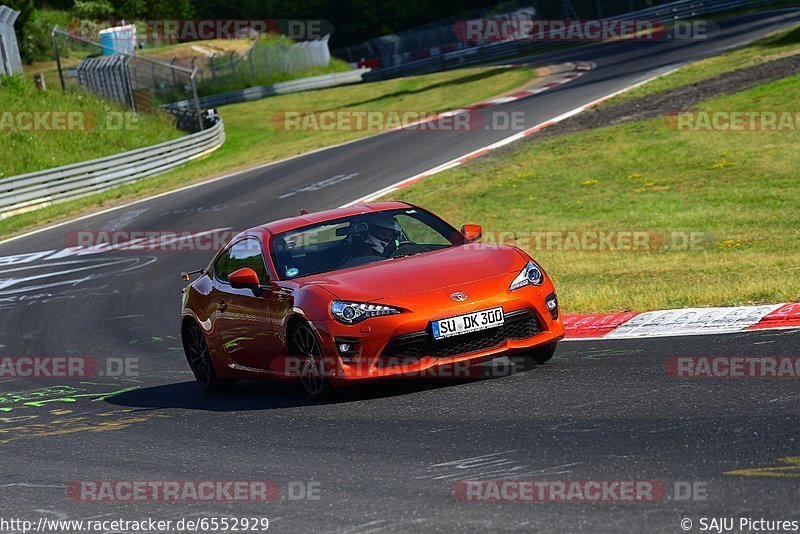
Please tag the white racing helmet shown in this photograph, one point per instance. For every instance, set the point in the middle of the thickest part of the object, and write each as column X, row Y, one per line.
column 383, row 229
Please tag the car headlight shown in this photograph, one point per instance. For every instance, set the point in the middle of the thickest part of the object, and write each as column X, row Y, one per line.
column 355, row 312
column 530, row 275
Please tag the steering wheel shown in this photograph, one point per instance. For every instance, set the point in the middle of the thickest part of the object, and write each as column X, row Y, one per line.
column 395, row 247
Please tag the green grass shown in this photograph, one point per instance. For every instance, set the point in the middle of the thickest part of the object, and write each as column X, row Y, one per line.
column 27, row 151
column 245, row 79
column 739, row 191
column 780, row 44
column 252, row 138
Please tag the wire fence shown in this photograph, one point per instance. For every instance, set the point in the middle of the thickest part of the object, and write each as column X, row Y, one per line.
column 144, row 84
column 267, row 61
column 140, row 83
column 272, row 58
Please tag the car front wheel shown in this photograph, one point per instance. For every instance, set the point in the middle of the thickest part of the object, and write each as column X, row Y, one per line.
column 535, row 356
column 313, row 377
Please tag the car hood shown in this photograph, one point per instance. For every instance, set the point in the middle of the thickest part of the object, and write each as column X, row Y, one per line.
column 430, row 271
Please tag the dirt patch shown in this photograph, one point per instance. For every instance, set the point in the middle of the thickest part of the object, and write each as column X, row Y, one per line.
column 543, row 76
column 678, row 99
column 183, row 54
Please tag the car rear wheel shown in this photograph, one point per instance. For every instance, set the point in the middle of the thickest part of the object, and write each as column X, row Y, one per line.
column 535, row 356
column 312, row 366
column 199, row 357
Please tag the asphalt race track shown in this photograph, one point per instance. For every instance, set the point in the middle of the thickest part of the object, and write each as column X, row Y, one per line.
column 384, row 457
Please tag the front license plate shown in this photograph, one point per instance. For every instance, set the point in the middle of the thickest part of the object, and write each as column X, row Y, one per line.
column 470, row 322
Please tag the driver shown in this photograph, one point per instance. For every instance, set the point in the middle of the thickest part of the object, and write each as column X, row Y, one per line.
column 384, row 235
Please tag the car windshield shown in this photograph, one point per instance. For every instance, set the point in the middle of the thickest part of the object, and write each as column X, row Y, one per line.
column 359, row 240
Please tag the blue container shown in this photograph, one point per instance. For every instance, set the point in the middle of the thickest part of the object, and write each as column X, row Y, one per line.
column 119, row 39
column 107, row 42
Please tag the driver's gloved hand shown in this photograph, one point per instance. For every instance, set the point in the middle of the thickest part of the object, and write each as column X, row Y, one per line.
column 390, row 248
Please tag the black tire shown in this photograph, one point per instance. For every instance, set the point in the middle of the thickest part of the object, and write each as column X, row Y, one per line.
column 535, row 356
column 304, row 345
column 199, row 358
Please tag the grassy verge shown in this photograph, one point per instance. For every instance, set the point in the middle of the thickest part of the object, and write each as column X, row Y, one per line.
column 95, row 133
column 252, row 138
column 737, row 191
column 213, row 86
column 778, row 45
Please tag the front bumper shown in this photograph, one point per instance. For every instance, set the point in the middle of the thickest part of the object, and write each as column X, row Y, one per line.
column 402, row 345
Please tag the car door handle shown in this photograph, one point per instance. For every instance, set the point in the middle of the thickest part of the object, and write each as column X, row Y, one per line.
column 222, row 306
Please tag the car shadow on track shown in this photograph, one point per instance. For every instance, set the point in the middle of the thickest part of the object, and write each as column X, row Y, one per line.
column 271, row 395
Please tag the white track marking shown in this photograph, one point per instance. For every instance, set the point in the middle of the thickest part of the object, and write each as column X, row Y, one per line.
column 692, row 321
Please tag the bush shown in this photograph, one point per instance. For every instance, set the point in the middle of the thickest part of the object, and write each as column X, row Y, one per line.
column 33, row 33
column 93, row 9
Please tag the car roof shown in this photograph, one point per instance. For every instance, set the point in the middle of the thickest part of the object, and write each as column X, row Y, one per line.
column 292, row 223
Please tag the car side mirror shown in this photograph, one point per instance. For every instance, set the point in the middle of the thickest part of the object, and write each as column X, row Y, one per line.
column 244, row 278
column 473, row 232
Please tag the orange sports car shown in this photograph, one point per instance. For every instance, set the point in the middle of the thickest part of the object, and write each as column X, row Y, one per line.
column 365, row 292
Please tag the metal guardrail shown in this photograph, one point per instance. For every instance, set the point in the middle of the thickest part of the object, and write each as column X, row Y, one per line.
column 9, row 48
column 26, row 192
column 323, row 81
column 673, row 11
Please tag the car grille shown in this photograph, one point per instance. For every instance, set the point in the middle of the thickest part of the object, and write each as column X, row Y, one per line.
column 407, row 348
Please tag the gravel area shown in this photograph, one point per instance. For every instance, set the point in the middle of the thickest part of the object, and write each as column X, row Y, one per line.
column 681, row 98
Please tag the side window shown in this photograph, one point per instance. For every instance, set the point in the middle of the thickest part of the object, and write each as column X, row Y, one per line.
column 245, row 253
column 419, row 232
